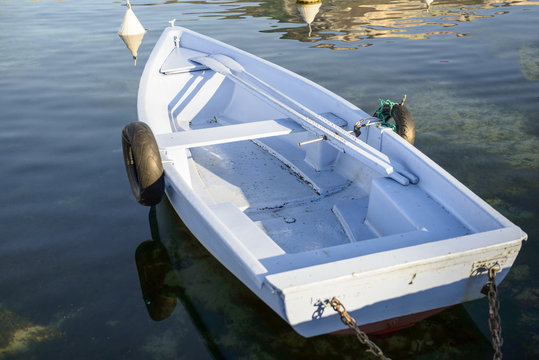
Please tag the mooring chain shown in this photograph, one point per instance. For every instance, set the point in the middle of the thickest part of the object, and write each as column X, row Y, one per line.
column 494, row 321
column 351, row 323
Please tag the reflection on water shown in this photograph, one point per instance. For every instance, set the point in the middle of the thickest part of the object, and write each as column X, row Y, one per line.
column 331, row 22
column 358, row 21
column 427, row 3
column 308, row 10
column 133, row 43
column 68, row 279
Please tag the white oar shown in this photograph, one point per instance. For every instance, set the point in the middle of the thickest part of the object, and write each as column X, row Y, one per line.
column 338, row 137
column 309, row 115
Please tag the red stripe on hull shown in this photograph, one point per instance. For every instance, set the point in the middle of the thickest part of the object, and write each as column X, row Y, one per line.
column 391, row 325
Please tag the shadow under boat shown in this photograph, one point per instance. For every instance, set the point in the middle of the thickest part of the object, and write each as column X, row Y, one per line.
column 233, row 322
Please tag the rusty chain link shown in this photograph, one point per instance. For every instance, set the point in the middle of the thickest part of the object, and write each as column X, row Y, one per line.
column 494, row 320
column 351, row 323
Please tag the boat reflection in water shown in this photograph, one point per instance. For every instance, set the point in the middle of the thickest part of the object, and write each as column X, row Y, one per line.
column 174, row 266
column 175, row 270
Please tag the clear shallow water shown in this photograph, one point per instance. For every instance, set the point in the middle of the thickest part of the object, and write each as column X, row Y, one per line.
column 69, row 227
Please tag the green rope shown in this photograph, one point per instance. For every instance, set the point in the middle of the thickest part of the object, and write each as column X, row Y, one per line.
column 384, row 112
column 392, row 126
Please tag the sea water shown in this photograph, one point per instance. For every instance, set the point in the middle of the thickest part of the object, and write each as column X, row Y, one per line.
column 70, row 228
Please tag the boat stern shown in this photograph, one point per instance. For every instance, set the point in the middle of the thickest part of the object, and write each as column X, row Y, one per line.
column 395, row 288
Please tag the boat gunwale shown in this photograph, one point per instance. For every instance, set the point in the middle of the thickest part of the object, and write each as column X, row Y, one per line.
column 350, row 267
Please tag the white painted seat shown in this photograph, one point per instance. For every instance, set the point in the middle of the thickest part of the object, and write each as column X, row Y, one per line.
column 245, row 230
column 227, row 134
column 351, row 215
column 390, row 206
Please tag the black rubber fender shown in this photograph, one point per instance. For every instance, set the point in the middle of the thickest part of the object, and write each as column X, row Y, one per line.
column 143, row 163
column 404, row 122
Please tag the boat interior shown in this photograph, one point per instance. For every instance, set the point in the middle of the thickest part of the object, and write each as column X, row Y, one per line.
column 289, row 202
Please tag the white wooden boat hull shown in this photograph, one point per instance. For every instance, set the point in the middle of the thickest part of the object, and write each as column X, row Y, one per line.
column 301, row 225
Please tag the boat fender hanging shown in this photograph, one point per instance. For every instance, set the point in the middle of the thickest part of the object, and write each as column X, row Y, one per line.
column 143, row 163
column 402, row 118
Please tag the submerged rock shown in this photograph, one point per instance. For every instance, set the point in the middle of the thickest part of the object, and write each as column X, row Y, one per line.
column 529, row 60
column 18, row 334
column 519, row 273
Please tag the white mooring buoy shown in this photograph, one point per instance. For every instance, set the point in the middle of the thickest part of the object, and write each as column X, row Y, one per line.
column 131, row 31
column 308, row 10
column 427, row 3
